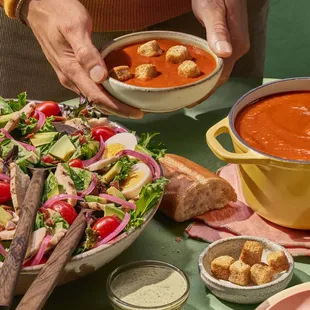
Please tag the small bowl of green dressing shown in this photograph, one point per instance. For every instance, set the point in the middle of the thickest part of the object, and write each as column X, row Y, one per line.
column 148, row 285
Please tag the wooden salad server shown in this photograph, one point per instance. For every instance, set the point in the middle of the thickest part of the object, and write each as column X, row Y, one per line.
column 13, row 262
column 45, row 282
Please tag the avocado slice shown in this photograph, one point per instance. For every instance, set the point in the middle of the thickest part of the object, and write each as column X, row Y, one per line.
column 115, row 192
column 5, row 217
column 43, row 138
column 90, row 198
column 112, row 210
column 5, row 118
column 63, row 148
column 114, row 171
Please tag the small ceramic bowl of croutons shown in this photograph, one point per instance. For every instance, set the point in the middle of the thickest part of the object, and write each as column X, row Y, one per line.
column 160, row 71
column 245, row 270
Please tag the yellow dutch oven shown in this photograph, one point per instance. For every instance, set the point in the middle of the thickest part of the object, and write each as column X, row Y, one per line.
column 276, row 188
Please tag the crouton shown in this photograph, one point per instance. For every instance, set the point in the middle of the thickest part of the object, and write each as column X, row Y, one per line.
column 150, row 49
column 239, row 273
column 188, row 69
column 145, row 72
column 121, row 73
column 220, row 267
column 177, row 54
column 261, row 274
column 278, row 261
column 251, row 252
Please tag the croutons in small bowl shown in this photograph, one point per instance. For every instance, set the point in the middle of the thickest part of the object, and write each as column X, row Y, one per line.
column 245, row 270
column 160, row 71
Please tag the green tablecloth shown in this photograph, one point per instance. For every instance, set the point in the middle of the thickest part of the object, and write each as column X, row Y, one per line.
column 184, row 134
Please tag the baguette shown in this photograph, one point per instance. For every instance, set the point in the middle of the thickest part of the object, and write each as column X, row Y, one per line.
column 192, row 189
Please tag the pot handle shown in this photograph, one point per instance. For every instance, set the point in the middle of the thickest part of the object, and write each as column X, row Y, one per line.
column 250, row 157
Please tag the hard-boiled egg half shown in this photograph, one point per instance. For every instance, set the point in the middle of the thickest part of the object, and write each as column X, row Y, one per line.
column 140, row 175
column 119, row 142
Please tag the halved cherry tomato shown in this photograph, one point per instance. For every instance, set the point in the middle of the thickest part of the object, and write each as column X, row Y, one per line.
column 106, row 225
column 65, row 210
column 29, row 262
column 5, row 192
column 49, row 159
column 102, row 131
column 48, row 108
column 76, row 163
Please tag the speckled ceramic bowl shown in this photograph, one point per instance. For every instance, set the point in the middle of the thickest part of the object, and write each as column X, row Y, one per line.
column 251, row 294
column 161, row 100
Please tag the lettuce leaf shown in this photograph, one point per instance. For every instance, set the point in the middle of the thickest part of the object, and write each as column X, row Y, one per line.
column 51, row 187
column 48, row 125
column 58, row 220
column 26, row 124
column 10, row 106
column 151, row 147
column 80, row 177
column 127, row 163
column 4, row 107
column 39, row 222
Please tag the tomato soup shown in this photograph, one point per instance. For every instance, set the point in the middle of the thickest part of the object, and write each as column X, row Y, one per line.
column 278, row 125
column 168, row 72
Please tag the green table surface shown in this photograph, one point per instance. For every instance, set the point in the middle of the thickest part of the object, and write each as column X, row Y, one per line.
column 184, row 133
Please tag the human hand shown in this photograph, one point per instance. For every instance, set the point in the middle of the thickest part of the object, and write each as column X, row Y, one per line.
column 226, row 23
column 63, row 29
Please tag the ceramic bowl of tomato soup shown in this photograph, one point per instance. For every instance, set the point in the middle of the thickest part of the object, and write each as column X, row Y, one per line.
column 270, row 130
column 160, row 85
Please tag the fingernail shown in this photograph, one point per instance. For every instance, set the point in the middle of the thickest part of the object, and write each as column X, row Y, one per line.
column 136, row 115
column 97, row 73
column 223, row 47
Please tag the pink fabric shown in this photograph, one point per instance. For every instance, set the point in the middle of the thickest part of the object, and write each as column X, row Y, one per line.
column 238, row 219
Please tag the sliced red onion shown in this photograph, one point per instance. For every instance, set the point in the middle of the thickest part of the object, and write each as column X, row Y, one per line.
column 37, row 259
column 116, row 232
column 28, row 147
column 60, row 197
column 5, row 177
column 41, row 121
column 119, row 201
column 91, row 187
column 2, row 250
column 147, row 159
column 119, row 129
column 97, row 157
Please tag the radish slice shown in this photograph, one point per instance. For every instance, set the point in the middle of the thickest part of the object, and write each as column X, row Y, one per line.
column 28, row 147
column 2, row 250
column 5, row 177
column 40, row 254
column 117, row 231
column 119, row 201
column 60, row 197
column 41, row 121
column 97, row 157
column 91, row 187
column 147, row 159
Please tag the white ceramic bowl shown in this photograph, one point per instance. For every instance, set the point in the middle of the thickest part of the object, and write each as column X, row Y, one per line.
column 236, row 293
column 160, row 100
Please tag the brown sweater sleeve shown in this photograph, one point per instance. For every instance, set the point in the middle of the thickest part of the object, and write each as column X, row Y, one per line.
column 9, row 7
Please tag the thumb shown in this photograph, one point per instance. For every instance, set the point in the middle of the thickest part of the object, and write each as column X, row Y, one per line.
column 87, row 55
column 214, row 19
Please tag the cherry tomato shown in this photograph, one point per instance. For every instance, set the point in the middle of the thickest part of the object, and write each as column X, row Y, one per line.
column 5, row 192
column 49, row 159
column 106, row 225
column 29, row 262
column 76, row 163
column 48, row 108
column 65, row 210
column 102, row 131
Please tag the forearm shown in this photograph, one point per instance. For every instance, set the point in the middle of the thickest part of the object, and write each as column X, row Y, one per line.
column 9, row 7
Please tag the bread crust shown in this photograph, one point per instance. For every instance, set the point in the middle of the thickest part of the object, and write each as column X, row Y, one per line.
column 192, row 189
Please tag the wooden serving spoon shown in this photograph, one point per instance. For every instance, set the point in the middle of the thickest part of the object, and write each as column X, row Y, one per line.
column 45, row 282
column 13, row 262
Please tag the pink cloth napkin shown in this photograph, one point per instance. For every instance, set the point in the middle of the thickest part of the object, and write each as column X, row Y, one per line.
column 238, row 219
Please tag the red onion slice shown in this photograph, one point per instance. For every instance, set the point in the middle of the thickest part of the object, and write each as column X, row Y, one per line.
column 91, row 187
column 117, row 231
column 97, row 157
column 119, row 130
column 2, row 250
column 147, row 159
column 37, row 259
column 41, row 121
column 5, row 177
column 60, row 197
column 28, row 147
column 119, row 201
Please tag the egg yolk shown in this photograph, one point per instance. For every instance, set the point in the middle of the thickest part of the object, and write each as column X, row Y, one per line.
column 133, row 179
column 113, row 149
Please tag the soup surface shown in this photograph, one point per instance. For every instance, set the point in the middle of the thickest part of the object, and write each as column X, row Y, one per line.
column 278, row 125
column 168, row 72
